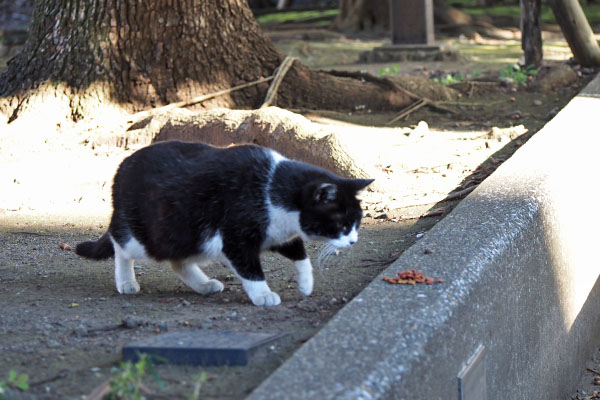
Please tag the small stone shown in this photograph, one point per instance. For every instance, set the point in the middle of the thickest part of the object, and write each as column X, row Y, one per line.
column 80, row 330
column 306, row 305
column 162, row 325
column 515, row 114
column 131, row 322
column 206, row 324
column 537, row 102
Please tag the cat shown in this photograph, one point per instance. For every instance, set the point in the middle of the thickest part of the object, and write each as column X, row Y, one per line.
column 189, row 203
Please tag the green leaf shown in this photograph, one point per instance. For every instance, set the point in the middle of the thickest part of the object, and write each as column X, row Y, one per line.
column 22, row 382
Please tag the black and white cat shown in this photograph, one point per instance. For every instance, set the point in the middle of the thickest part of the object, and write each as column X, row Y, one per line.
column 189, row 203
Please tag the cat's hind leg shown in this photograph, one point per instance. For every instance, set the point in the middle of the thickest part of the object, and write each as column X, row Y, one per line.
column 124, row 273
column 193, row 276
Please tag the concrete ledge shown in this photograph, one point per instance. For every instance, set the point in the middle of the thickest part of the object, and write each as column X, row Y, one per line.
column 520, row 268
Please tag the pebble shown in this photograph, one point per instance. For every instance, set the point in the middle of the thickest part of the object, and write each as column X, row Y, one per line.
column 80, row 330
column 206, row 324
column 131, row 322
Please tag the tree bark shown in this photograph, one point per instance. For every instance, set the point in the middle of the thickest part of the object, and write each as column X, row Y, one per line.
column 577, row 31
column 140, row 55
column 531, row 39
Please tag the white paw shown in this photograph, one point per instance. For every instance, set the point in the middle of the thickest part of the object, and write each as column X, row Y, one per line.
column 305, row 284
column 212, row 286
column 128, row 287
column 305, row 276
column 260, row 294
column 266, row 299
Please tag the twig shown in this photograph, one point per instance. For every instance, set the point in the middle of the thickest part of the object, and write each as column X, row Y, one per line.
column 469, row 103
column 594, row 371
column 99, row 391
column 452, row 196
column 460, row 194
column 279, row 75
column 103, row 389
column 408, row 110
column 106, row 328
column 380, row 263
column 62, row 374
column 199, row 99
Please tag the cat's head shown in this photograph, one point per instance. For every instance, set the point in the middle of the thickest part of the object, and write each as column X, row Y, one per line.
column 331, row 211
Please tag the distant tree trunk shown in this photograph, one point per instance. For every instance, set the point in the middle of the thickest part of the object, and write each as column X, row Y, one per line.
column 142, row 54
column 531, row 32
column 448, row 15
column 577, row 31
column 374, row 15
column 283, row 4
column 363, row 15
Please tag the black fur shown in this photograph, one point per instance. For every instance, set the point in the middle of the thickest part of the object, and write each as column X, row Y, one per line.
column 96, row 250
column 174, row 196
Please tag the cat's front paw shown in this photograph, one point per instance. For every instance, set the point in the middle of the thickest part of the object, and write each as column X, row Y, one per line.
column 269, row 299
column 305, row 284
column 305, row 276
column 260, row 294
column 128, row 287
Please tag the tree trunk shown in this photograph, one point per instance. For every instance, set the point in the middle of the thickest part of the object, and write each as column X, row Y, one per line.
column 363, row 15
column 374, row 15
column 577, row 31
column 139, row 55
column 531, row 39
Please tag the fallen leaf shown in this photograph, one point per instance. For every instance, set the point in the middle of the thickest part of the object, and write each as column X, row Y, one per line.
column 65, row 246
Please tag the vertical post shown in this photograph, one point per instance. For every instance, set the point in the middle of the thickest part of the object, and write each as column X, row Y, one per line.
column 412, row 21
column 531, row 34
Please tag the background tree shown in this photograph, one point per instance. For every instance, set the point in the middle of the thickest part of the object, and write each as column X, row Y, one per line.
column 577, row 31
column 531, row 31
column 136, row 55
column 374, row 15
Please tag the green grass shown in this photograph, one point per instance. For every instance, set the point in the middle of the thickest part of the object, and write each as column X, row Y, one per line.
column 592, row 11
column 295, row 16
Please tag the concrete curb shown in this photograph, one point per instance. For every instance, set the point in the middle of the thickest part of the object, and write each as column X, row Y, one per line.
column 520, row 267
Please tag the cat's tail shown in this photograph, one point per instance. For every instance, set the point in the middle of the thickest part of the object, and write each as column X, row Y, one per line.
column 96, row 250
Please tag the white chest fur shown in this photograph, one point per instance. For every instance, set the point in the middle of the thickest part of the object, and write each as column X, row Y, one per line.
column 283, row 226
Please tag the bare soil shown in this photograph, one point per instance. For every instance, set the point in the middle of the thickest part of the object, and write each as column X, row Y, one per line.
column 62, row 322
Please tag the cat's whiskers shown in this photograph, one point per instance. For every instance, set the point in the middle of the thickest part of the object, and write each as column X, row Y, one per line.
column 327, row 252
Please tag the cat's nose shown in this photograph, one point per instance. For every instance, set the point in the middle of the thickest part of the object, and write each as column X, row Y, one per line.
column 351, row 241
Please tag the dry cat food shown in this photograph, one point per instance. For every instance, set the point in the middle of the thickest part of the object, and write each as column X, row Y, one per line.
column 411, row 277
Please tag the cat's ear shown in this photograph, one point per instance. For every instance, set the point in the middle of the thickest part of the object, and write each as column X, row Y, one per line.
column 325, row 193
column 360, row 184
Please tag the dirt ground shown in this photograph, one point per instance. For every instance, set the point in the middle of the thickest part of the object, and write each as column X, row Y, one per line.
column 62, row 322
